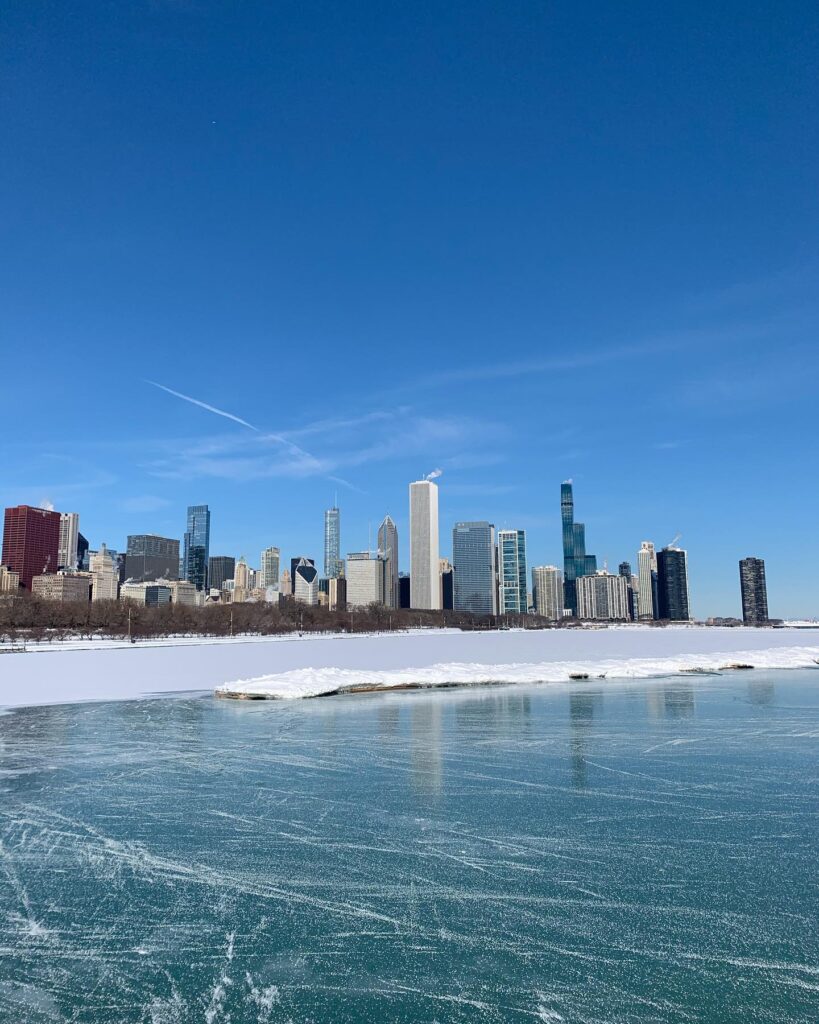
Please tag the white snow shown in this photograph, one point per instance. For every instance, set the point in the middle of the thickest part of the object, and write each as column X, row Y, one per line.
column 295, row 666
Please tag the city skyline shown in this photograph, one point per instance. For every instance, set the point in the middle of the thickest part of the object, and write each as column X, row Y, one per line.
column 659, row 591
column 595, row 224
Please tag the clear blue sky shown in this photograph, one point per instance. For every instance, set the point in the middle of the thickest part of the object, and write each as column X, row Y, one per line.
column 520, row 242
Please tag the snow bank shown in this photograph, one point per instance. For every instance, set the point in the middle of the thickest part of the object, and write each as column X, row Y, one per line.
column 310, row 682
column 303, row 666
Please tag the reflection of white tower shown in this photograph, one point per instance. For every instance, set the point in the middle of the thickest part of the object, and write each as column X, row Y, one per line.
column 647, row 573
column 425, row 591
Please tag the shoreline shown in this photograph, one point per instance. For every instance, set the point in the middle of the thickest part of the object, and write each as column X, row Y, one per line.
column 295, row 666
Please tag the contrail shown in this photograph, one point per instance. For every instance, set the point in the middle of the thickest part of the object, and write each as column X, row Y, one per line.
column 203, row 405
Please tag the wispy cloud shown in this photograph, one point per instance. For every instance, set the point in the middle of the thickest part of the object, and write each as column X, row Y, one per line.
column 143, row 503
column 202, row 405
column 684, row 340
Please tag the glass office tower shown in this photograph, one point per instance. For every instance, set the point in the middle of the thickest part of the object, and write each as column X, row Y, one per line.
column 576, row 562
column 473, row 564
column 512, row 572
column 333, row 565
column 197, row 546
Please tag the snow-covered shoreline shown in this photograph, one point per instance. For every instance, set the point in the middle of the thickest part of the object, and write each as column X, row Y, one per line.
column 293, row 666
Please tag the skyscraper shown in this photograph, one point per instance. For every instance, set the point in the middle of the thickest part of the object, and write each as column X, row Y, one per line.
column 512, row 581
column 148, row 557
column 473, row 564
column 332, row 543
column 197, row 546
column 547, row 591
column 754, row 591
column 603, row 596
column 69, row 538
column 305, row 582
column 269, row 568
column 672, row 584
column 647, row 580
column 425, row 590
column 388, row 548
column 365, row 579
column 576, row 562
column 31, row 541
column 220, row 569
column 104, row 576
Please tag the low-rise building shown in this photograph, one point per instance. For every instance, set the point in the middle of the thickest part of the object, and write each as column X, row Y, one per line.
column 149, row 593
column 9, row 581
column 183, row 592
column 62, row 586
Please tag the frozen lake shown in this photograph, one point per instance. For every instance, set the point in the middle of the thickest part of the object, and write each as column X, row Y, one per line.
column 639, row 851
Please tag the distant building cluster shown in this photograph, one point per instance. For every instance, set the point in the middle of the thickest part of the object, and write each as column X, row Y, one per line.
column 45, row 553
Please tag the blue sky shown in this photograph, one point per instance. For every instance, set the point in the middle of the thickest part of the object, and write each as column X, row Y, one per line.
column 516, row 242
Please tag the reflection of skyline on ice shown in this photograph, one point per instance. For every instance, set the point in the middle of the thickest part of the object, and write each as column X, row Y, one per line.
column 415, row 856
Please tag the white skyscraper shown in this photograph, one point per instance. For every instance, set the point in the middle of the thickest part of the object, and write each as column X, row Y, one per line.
column 425, row 591
column 104, row 575
column 69, row 536
column 305, row 582
column 647, row 577
column 269, row 571
column 547, row 585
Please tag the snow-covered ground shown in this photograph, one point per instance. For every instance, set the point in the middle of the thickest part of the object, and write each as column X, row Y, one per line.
column 305, row 666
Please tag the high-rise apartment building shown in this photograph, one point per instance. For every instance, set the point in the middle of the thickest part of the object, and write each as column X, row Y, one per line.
column 221, row 568
column 603, row 596
column 754, row 591
column 104, row 576
column 149, row 557
column 305, row 581
column 333, row 565
column 647, row 582
column 388, row 547
column 31, row 541
column 365, row 575
column 576, row 562
column 425, row 590
column 269, row 568
column 672, row 585
column 473, row 565
column 624, row 570
column 512, row 581
column 197, row 546
column 547, row 591
column 69, row 539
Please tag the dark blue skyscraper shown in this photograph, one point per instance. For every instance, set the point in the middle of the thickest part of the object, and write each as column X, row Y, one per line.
column 576, row 562
column 473, row 563
column 197, row 546
column 672, row 585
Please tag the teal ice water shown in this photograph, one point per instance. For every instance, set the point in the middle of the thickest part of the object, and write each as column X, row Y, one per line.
column 601, row 852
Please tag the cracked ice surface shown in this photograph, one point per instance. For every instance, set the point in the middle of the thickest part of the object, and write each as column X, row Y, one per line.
column 630, row 852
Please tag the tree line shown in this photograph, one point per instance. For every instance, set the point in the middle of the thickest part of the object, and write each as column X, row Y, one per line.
column 25, row 617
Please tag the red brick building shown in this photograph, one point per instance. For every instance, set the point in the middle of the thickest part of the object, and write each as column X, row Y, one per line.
column 31, row 539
